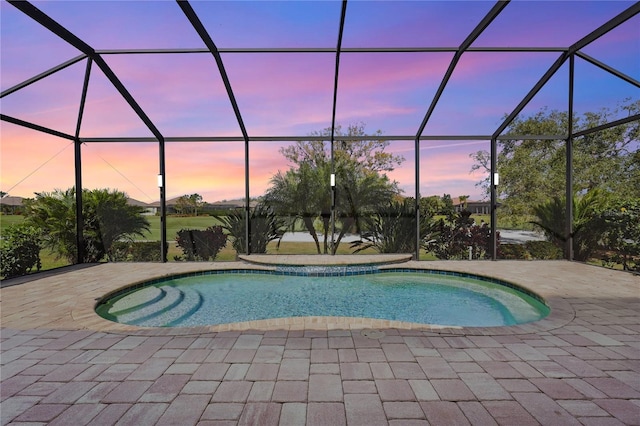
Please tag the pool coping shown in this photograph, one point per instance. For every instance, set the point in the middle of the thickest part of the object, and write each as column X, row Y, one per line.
column 85, row 316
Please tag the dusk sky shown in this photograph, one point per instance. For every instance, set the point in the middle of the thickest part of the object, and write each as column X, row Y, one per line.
column 288, row 94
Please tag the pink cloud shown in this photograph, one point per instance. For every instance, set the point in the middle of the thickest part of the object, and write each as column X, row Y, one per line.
column 282, row 94
column 34, row 162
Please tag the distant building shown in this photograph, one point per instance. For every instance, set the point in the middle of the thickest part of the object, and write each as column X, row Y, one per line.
column 475, row 207
column 11, row 205
column 149, row 210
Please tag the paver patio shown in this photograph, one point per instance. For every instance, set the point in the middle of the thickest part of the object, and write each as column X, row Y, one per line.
column 62, row 364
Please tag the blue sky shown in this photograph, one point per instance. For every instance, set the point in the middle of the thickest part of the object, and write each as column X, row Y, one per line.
column 289, row 94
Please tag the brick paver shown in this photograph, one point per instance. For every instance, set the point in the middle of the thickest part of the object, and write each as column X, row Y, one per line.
column 579, row 366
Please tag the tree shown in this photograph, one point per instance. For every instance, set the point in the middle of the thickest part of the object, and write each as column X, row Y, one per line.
column 300, row 195
column 447, row 209
column 533, row 171
column 107, row 218
column 589, row 226
column 621, row 238
column 431, row 205
column 189, row 204
column 463, row 201
column 303, row 192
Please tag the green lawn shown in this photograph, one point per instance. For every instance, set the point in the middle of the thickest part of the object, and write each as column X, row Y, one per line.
column 176, row 223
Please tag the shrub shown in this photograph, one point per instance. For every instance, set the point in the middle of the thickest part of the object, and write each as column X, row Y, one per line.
column 621, row 239
column 392, row 229
column 136, row 251
column 540, row 250
column 543, row 250
column 198, row 244
column 20, row 251
column 265, row 227
column 453, row 237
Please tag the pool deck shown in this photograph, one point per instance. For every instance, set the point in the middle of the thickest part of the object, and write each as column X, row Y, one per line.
column 62, row 364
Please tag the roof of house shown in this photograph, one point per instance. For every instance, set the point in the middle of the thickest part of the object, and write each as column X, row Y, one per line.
column 134, row 202
column 11, row 201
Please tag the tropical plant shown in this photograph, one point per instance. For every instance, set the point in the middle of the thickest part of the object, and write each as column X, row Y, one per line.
column 265, row 227
column 19, row 250
column 303, row 193
column 392, row 229
column 135, row 251
column 360, row 194
column 621, row 239
column 455, row 236
column 201, row 244
column 107, row 217
column 110, row 218
column 588, row 225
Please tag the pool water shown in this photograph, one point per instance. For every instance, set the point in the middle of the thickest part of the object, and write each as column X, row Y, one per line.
column 416, row 297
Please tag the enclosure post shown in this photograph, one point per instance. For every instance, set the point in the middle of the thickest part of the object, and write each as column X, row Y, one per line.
column 417, row 170
column 77, row 150
column 494, row 198
column 333, row 196
column 247, row 207
column 162, row 182
column 78, row 184
column 569, row 166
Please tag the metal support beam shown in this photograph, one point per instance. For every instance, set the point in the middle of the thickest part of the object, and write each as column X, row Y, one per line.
column 42, row 75
column 494, row 199
column 53, row 26
column 211, row 46
column 247, row 197
column 486, row 21
column 606, row 126
column 534, row 90
column 598, row 32
column 569, row 166
column 243, row 50
column 320, row 138
column 609, row 69
column 417, row 176
column 208, row 41
column 78, row 167
column 162, row 183
column 606, row 27
column 34, row 126
column 334, row 194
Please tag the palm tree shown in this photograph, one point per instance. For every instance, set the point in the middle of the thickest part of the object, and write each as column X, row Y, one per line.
column 360, row 194
column 113, row 219
column 266, row 226
column 299, row 195
column 106, row 214
column 392, row 229
column 463, row 201
column 587, row 222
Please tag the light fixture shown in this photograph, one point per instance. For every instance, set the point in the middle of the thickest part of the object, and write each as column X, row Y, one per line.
column 333, row 180
column 496, row 179
column 160, row 181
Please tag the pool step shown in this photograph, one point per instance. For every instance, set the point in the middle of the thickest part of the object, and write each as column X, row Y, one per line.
column 157, row 308
column 191, row 302
column 137, row 300
column 172, row 297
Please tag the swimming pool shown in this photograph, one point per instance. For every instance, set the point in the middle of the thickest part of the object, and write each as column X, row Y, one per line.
column 417, row 296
